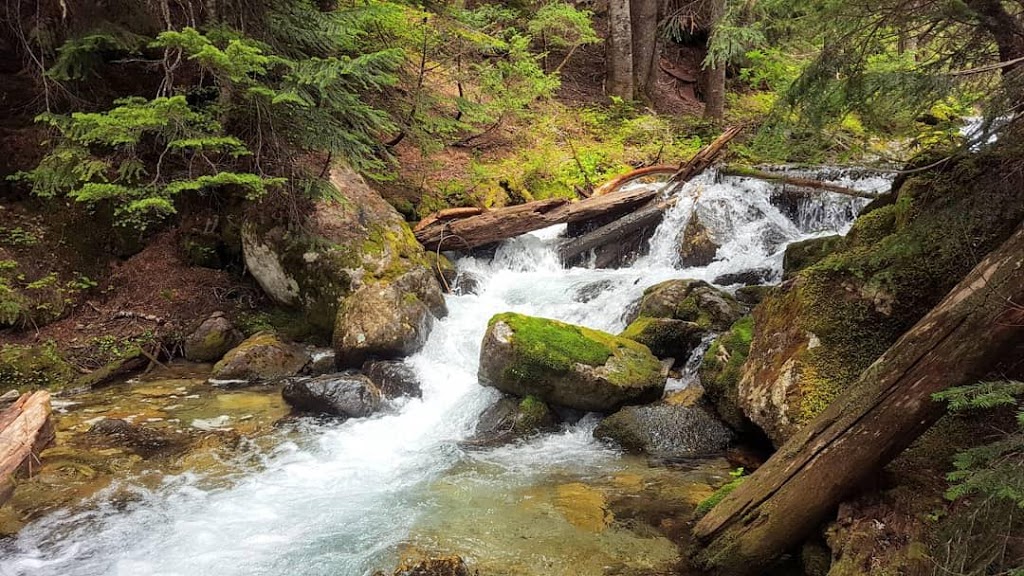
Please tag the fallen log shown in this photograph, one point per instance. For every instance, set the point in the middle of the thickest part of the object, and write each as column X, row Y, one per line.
column 645, row 172
column 25, row 429
column 889, row 406
column 438, row 233
column 746, row 172
column 643, row 221
column 503, row 223
column 448, row 214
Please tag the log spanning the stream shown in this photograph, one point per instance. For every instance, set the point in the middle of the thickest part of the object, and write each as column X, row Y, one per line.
column 25, row 429
column 745, row 172
column 890, row 405
column 464, row 229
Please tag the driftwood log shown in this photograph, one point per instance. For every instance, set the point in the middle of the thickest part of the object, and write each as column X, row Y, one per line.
column 889, row 406
column 438, row 232
column 25, row 429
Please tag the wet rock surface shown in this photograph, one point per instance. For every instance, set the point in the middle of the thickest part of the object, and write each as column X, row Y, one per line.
column 394, row 379
column 261, row 357
column 666, row 430
column 510, row 419
column 665, row 337
column 696, row 246
column 567, row 365
column 351, row 395
column 753, row 277
column 689, row 300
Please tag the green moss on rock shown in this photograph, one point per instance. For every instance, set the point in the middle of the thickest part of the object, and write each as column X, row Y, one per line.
column 722, row 367
column 818, row 333
column 666, row 337
column 567, row 365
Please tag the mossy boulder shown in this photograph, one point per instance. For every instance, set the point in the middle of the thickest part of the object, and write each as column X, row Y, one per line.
column 567, row 365
column 696, row 246
column 689, row 300
column 800, row 255
column 665, row 337
column 350, row 241
column 721, row 369
column 512, row 418
column 212, row 339
column 817, row 332
column 350, row 395
column 665, row 430
column 261, row 357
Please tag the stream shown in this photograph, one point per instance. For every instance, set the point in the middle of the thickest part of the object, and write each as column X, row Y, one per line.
column 348, row 498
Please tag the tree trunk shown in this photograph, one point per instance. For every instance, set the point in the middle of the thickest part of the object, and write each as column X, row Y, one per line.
column 620, row 50
column 876, row 419
column 645, row 44
column 714, row 77
column 25, row 429
column 1005, row 29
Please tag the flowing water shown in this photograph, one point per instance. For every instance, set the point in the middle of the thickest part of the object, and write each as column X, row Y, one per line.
column 346, row 498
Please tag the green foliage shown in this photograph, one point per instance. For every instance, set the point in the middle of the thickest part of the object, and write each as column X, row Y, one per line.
column 80, row 57
column 994, row 470
column 39, row 366
column 563, row 25
column 137, row 157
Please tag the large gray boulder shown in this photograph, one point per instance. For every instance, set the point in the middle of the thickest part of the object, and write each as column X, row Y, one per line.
column 666, row 430
column 261, row 357
column 351, row 395
column 567, row 365
column 380, row 321
column 347, row 247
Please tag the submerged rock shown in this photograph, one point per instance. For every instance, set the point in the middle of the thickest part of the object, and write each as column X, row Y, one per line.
column 212, row 339
column 509, row 419
column 665, row 430
column 393, row 378
column 441, row 566
column 348, row 394
column 696, row 247
column 262, row 356
column 689, row 300
column 665, row 337
column 139, row 439
column 567, row 365
column 345, row 248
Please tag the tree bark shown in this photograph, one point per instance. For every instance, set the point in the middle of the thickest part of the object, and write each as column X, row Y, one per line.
column 744, row 172
column 1006, row 30
column 25, row 429
column 889, row 406
column 645, row 44
column 714, row 77
column 620, row 50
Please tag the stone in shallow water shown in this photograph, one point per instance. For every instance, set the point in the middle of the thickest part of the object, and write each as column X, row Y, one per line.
column 262, row 356
column 347, row 394
column 393, row 378
column 665, row 430
column 567, row 365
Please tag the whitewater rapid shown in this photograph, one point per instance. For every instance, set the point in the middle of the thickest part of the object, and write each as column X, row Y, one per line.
column 339, row 498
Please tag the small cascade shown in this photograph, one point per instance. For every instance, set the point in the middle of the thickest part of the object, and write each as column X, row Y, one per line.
column 339, row 498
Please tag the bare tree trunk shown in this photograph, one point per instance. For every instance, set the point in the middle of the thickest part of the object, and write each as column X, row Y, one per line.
column 25, row 429
column 714, row 77
column 876, row 419
column 620, row 50
column 645, row 44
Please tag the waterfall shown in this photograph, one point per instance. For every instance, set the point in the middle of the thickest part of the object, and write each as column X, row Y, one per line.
column 338, row 498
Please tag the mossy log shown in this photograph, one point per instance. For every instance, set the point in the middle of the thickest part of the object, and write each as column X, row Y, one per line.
column 889, row 406
column 747, row 172
column 25, row 429
column 438, row 232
